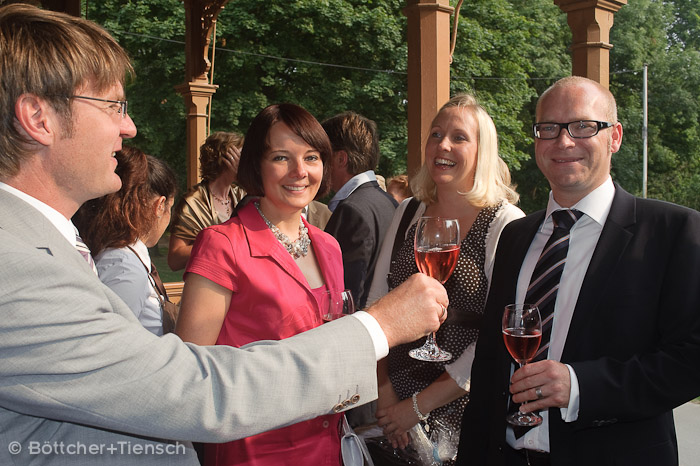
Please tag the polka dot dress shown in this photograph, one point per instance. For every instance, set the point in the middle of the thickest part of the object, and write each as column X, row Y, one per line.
column 466, row 289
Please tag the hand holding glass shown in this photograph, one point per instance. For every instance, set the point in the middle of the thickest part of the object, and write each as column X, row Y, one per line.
column 436, row 247
column 340, row 304
column 522, row 332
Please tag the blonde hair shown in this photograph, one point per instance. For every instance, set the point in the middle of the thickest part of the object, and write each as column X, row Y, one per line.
column 492, row 182
column 50, row 55
column 573, row 81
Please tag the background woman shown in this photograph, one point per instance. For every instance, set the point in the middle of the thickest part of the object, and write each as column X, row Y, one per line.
column 120, row 227
column 462, row 177
column 263, row 274
column 212, row 200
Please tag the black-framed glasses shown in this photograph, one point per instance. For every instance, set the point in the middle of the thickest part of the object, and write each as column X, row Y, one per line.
column 577, row 129
column 122, row 103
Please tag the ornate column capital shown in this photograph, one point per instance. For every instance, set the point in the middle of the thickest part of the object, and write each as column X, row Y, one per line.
column 590, row 22
column 200, row 18
column 571, row 5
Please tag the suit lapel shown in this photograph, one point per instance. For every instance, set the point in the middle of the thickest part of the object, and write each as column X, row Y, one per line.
column 611, row 246
column 31, row 226
column 512, row 248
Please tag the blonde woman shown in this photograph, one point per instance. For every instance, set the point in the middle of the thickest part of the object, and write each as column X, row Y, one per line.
column 462, row 177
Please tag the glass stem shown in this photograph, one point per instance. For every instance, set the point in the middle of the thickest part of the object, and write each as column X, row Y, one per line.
column 431, row 340
column 521, row 364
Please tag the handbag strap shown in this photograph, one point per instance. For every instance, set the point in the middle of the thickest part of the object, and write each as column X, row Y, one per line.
column 168, row 307
column 150, row 277
column 406, row 218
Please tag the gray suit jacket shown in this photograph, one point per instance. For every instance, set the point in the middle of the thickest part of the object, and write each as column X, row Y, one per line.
column 82, row 382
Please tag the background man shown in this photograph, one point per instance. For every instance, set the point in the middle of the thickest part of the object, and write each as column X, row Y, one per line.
column 362, row 211
column 81, row 381
column 625, row 333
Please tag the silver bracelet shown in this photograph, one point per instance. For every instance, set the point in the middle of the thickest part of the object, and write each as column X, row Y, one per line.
column 421, row 416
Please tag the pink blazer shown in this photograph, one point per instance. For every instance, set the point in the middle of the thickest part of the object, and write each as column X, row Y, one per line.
column 271, row 298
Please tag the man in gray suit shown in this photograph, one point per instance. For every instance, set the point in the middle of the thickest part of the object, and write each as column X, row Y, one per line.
column 81, row 382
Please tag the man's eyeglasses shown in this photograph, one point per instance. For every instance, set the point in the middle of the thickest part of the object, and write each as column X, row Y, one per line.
column 122, row 103
column 577, row 129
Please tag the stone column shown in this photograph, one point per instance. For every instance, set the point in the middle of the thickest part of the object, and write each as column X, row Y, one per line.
column 590, row 22
column 428, row 70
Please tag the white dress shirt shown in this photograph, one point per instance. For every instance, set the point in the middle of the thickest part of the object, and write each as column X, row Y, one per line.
column 62, row 224
column 582, row 242
column 351, row 185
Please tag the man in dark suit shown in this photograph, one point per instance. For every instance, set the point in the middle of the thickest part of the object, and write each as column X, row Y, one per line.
column 362, row 211
column 625, row 335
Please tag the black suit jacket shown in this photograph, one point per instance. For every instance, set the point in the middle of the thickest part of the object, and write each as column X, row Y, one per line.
column 634, row 341
column 359, row 223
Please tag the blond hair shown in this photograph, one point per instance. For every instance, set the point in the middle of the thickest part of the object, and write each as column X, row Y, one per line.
column 573, row 81
column 492, row 182
column 50, row 55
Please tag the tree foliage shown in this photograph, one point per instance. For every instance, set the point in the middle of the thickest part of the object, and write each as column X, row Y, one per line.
column 659, row 34
column 335, row 55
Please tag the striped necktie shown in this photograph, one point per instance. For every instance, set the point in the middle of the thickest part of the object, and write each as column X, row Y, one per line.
column 85, row 252
column 544, row 283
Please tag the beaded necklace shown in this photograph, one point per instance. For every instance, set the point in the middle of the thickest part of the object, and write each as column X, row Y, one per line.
column 298, row 248
column 226, row 203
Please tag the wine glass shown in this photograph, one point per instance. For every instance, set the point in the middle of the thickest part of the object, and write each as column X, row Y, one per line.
column 436, row 248
column 522, row 332
column 340, row 304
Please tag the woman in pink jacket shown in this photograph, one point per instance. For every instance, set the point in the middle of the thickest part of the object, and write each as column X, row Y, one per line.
column 263, row 275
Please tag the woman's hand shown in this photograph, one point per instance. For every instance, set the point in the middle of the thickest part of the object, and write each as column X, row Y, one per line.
column 396, row 420
column 231, row 159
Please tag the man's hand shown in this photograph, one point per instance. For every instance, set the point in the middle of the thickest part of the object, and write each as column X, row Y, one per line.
column 412, row 310
column 553, row 380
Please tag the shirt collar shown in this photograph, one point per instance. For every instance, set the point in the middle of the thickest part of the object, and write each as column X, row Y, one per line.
column 352, row 184
column 595, row 205
column 62, row 224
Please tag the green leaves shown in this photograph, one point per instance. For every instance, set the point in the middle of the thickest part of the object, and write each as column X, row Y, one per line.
column 335, row 55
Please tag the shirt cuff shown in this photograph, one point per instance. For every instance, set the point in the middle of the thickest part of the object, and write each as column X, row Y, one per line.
column 381, row 344
column 461, row 369
column 570, row 413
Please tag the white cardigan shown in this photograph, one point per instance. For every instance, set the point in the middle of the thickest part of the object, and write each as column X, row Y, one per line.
column 460, row 369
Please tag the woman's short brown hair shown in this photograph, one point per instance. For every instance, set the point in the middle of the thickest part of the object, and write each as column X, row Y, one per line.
column 257, row 143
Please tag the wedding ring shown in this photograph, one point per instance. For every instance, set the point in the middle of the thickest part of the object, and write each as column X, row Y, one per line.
column 444, row 310
column 538, row 392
